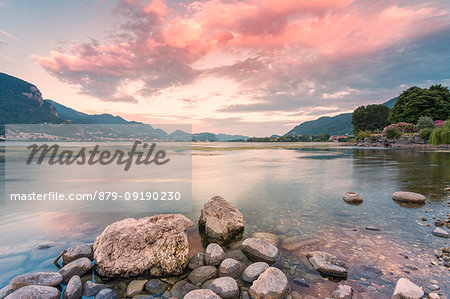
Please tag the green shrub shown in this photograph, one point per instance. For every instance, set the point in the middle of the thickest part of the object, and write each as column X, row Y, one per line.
column 373, row 138
column 425, row 133
column 363, row 135
column 441, row 135
column 392, row 133
column 425, row 122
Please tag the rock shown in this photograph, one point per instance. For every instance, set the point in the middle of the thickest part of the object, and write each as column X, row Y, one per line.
column 268, row 237
column 295, row 295
column 156, row 286
column 439, row 232
column 245, row 295
column 272, row 283
column 201, row 294
column 300, row 281
column 327, row 264
column 352, row 197
column 447, row 189
column 293, row 243
column 214, row 255
column 74, row 288
column 181, row 288
column 372, row 228
column 433, row 287
column 260, row 251
column 342, row 291
column 157, row 245
column 135, row 287
column 202, row 274
column 225, row 287
column 6, row 291
column 78, row 267
column 92, row 288
column 49, row 279
column 433, row 296
column 143, row 297
column 34, row 291
column 406, row 289
column 232, row 268
column 238, row 255
column 252, row 272
column 408, row 197
column 106, row 294
column 197, row 260
column 220, row 220
column 76, row 252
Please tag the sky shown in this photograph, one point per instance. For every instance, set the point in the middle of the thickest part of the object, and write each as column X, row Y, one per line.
column 251, row 67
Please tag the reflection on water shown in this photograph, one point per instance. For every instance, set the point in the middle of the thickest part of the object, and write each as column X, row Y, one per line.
column 295, row 185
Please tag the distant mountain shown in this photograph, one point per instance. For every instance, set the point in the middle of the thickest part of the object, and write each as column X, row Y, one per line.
column 21, row 103
column 334, row 125
column 226, row 137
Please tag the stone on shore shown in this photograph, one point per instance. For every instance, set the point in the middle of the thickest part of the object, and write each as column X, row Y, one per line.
column 74, row 288
column 220, row 220
column 327, row 264
column 342, row 291
column 77, row 252
column 181, row 288
column 156, row 286
column 352, row 197
column 49, row 279
column 201, row 294
column 33, row 291
column 439, row 232
column 78, row 267
column 260, row 251
column 406, row 289
column 411, row 197
column 231, row 267
column 252, row 272
column 106, row 294
column 272, row 283
column 202, row 274
column 157, row 245
column 268, row 237
column 214, row 255
column 225, row 287
column 135, row 287
column 197, row 260
column 92, row 288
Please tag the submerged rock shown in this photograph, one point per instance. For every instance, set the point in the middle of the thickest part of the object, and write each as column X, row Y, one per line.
column 352, row 197
column 78, row 267
column 214, row 255
column 342, row 291
column 327, row 264
column 49, row 279
column 156, row 245
column 225, row 287
column 406, row 289
column 156, row 286
column 252, row 272
column 268, row 237
column 220, row 220
column 197, row 260
column 201, row 294
column 135, row 287
column 76, row 252
column 411, row 197
column 272, row 283
column 33, row 291
column 260, row 251
column 74, row 288
column 181, row 288
column 106, row 294
column 92, row 288
column 439, row 232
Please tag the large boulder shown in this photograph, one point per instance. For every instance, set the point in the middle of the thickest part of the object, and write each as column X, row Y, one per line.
column 406, row 289
column 272, row 284
column 259, row 250
column 220, row 220
column 157, row 245
column 410, row 197
column 327, row 264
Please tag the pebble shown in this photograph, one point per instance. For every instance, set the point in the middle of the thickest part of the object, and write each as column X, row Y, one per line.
column 49, row 279
column 197, row 260
column 106, row 294
column 77, row 267
column 202, row 274
column 33, row 291
column 214, row 255
column 252, row 272
column 92, row 288
column 156, row 286
column 135, row 287
column 74, row 288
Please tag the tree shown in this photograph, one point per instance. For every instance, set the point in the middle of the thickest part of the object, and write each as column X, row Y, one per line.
column 416, row 102
column 370, row 117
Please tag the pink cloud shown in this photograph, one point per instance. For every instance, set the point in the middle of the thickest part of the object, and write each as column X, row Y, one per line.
column 160, row 44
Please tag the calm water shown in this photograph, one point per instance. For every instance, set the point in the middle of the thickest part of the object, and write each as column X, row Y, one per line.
column 294, row 190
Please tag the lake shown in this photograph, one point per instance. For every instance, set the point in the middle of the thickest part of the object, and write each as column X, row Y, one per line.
column 294, row 190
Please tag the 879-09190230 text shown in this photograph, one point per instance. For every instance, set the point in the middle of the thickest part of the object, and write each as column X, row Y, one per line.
column 98, row 195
